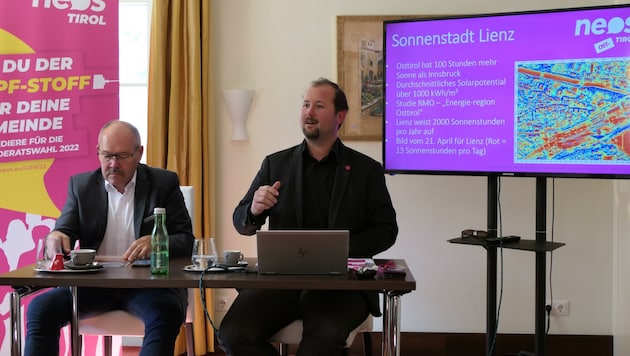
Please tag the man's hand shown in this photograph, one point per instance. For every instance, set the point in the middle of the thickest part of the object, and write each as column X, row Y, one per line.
column 138, row 250
column 265, row 197
column 62, row 238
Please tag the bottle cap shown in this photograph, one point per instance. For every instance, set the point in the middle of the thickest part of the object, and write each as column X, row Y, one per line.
column 159, row 210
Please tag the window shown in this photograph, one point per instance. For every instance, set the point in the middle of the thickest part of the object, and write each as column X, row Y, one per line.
column 134, row 31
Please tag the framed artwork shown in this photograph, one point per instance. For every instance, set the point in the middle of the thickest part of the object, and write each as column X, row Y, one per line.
column 360, row 74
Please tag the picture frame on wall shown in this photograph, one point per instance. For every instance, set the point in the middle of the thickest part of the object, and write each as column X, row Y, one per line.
column 360, row 74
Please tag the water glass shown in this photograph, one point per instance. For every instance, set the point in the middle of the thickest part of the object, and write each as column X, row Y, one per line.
column 47, row 248
column 203, row 255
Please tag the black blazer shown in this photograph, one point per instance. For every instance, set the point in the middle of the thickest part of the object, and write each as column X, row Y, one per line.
column 360, row 201
column 84, row 215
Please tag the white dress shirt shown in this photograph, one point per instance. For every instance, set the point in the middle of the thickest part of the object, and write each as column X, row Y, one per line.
column 119, row 233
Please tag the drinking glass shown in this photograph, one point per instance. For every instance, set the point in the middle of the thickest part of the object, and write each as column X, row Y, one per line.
column 47, row 248
column 203, row 255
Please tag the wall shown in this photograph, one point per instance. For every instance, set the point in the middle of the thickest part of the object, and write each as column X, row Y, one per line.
column 278, row 46
column 621, row 272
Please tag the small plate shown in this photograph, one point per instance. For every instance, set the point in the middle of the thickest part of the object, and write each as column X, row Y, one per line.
column 68, row 270
column 193, row 268
column 240, row 264
column 91, row 266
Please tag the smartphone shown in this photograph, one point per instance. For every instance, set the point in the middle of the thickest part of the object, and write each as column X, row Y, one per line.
column 141, row 263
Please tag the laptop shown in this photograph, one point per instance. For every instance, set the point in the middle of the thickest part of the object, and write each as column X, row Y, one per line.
column 302, row 251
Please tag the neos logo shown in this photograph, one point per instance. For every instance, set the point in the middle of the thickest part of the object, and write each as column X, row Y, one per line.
column 78, row 5
column 602, row 26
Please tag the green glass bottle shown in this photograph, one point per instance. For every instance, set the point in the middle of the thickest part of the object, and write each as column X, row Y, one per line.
column 159, row 243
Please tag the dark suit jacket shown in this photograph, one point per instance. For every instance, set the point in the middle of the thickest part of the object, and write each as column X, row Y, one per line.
column 84, row 215
column 360, row 201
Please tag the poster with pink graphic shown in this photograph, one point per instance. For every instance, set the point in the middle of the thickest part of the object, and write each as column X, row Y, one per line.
column 58, row 86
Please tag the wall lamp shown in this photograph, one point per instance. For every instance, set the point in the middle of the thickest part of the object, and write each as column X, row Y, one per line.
column 238, row 102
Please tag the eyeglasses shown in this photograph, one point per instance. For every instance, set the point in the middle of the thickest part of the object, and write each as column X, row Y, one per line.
column 120, row 157
column 479, row 234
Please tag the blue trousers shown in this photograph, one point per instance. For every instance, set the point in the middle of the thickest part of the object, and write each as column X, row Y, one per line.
column 162, row 310
column 328, row 317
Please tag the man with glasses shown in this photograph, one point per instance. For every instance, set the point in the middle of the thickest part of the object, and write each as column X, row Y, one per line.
column 105, row 210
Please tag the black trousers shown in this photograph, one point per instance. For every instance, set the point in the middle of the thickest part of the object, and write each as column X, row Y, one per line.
column 257, row 314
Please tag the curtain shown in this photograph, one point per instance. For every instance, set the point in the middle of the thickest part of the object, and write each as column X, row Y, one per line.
column 180, row 122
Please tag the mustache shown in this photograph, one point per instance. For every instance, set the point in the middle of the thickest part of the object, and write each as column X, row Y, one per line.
column 110, row 171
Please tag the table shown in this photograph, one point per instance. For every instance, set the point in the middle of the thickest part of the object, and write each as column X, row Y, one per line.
column 26, row 280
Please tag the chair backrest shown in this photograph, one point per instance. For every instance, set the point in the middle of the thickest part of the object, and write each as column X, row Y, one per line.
column 189, row 199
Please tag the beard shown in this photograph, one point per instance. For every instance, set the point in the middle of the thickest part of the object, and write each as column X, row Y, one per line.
column 311, row 134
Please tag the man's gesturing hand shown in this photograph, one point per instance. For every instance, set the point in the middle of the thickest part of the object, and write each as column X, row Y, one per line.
column 265, row 197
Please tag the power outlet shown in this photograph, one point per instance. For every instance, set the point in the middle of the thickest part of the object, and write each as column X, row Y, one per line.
column 559, row 307
column 222, row 304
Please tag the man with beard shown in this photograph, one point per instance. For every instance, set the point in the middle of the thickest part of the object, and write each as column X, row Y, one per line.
column 105, row 210
column 318, row 184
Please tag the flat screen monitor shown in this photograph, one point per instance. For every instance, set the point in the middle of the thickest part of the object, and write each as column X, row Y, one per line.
column 537, row 93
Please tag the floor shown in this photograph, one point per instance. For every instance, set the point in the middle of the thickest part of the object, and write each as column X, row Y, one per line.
column 467, row 344
column 134, row 351
column 130, row 351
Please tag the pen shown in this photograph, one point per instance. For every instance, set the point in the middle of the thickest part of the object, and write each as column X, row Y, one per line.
column 148, row 218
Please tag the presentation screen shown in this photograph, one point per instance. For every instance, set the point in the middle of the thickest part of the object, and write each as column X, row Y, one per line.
column 539, row 93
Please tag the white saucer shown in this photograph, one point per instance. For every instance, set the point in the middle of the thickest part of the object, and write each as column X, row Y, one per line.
column 239, row 265
column 91, row 266
column 193, row 268
column 68, row 270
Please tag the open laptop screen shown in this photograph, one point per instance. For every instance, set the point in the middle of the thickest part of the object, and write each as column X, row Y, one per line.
column 302, row 251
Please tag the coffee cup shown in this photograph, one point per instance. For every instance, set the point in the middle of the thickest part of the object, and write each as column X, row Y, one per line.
column 82, row 256
column 232, row 257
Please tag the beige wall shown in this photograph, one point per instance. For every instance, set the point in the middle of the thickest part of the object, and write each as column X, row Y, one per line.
column 278, row 46
column 621, row 269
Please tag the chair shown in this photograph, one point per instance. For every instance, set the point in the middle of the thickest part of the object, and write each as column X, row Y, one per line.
column 120, row 322
column 292, row 334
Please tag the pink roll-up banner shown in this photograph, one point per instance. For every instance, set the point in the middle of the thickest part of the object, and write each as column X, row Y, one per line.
column 58, row 86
